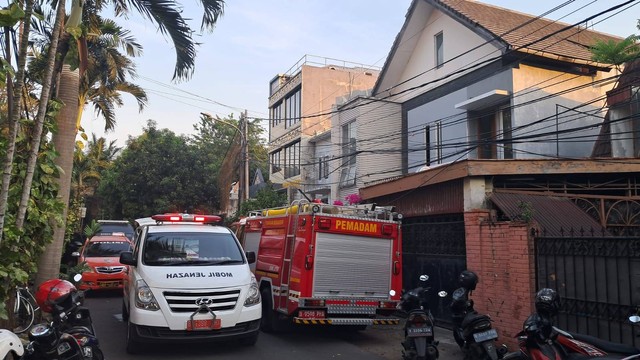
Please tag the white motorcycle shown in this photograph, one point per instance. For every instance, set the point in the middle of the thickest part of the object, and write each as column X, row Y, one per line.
column 10, row 345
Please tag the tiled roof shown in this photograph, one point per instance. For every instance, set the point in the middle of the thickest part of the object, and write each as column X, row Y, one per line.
column 571, row 44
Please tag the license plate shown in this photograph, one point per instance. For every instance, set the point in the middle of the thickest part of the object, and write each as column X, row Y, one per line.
column 485, row 335
column 207, row 324
column 311, row 314
column 108, row 284
column 419, row 331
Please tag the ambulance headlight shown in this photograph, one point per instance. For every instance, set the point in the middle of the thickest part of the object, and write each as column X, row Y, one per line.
column 253, row 296
column 144, row 297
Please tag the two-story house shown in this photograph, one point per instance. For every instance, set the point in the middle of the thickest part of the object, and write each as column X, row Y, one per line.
column 301, row 102
column 500, row 113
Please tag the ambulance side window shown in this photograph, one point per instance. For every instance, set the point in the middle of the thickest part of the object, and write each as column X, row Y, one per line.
column 138, row 239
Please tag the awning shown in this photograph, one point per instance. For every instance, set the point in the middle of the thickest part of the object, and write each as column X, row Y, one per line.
column 487, row 99
column 556, row 216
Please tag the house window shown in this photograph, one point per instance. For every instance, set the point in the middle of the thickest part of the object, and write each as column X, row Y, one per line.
column 348, row 171
column 439, row 49
column 433, row 140
column 292, row 160
column 276, row 114
column 276, row 165
column 292, row 108
column 507, row 133
column 323, row 167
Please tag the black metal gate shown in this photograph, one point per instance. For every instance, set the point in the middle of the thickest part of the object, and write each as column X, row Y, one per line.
column 435, row 246
column 598, row 279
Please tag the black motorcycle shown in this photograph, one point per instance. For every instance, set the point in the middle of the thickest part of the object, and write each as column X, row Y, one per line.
column 472, row 330
column 69, row 335
column 419, row 342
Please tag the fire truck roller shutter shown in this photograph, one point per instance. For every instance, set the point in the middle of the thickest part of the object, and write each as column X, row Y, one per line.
column 356, row 266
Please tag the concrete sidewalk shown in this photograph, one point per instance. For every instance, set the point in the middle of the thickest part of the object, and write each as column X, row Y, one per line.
column 385, row 341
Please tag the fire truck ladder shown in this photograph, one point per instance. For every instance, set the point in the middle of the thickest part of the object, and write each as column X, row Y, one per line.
column 292, row 229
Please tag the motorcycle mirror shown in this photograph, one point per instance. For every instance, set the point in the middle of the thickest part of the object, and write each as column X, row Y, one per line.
column 424, row 277
column 442, row 293
column 634, row 319
column 77, row 277
column 392, row 292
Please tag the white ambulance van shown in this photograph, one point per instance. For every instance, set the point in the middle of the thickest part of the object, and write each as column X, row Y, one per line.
column 188, row 281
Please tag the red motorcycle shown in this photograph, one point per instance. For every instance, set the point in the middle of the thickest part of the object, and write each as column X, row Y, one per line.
column 540, row 340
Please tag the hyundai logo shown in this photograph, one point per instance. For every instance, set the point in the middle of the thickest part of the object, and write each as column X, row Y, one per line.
column 203, row 301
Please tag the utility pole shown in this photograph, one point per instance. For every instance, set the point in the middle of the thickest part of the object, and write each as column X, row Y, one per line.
column 245, row 127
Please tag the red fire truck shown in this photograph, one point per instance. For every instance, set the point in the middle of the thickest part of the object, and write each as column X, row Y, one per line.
column 326, row 264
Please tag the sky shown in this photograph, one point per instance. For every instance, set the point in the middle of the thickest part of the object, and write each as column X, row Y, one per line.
column 255, row 40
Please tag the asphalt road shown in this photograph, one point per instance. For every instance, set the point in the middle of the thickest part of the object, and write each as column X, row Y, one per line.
column 377, row 342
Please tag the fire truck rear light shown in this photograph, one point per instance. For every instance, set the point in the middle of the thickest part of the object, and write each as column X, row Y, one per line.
column 387, row 229
column 324, row 224
column 396, row 268
column 388, row 304
column 308, row 262
column 313, row 303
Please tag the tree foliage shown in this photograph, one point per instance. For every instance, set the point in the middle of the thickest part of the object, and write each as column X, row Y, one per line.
column 616, row 53
column 158, row 172
column 264, row 199
column 20, row 251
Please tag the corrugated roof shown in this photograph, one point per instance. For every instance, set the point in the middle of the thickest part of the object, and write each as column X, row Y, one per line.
column 556, row 216
column 573, row 43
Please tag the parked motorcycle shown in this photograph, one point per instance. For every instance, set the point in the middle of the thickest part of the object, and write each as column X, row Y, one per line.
column 70, row 334
column 472, row 330
column 419, row 342
column 541, row 340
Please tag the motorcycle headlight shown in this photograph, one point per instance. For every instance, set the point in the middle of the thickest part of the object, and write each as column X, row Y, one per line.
column 253, row 296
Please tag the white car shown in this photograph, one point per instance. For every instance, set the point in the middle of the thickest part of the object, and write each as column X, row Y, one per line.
column 188, row 280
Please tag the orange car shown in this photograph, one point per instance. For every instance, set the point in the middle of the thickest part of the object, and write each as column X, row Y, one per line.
column 102, row 255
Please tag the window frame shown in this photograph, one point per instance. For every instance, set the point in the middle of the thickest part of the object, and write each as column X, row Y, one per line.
column 438, row 42
column 349, row 153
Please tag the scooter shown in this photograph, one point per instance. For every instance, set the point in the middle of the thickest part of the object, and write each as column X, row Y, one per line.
column 540, row 340
column 419, row 342
column 472, row 330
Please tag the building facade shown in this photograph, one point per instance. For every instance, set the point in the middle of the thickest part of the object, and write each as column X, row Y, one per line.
column 300, row 107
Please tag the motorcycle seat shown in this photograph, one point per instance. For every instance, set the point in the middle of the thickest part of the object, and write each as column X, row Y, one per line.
column 607, row 346
column 474, row 317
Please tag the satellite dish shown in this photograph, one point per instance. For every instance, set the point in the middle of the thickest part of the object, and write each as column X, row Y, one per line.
column 423, row 168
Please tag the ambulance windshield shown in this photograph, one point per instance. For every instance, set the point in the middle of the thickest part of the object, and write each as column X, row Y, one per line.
column 191, row 249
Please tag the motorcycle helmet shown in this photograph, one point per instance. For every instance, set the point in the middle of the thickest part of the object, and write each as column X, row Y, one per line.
column 10, row 343
column 54, row 292
column 547, row 302
column 468, row 280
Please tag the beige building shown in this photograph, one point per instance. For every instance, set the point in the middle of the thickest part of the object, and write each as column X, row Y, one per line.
column 301, row 102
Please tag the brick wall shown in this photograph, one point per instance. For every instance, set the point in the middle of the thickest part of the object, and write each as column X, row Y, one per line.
column 502, row 255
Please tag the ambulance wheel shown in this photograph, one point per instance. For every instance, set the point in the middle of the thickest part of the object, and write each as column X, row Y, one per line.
column 133, row 344
column 269, row 316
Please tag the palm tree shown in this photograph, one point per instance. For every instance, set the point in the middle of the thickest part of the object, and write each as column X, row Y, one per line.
column 167, row 16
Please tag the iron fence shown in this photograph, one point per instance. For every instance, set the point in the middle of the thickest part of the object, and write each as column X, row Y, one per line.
column 598, row 279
